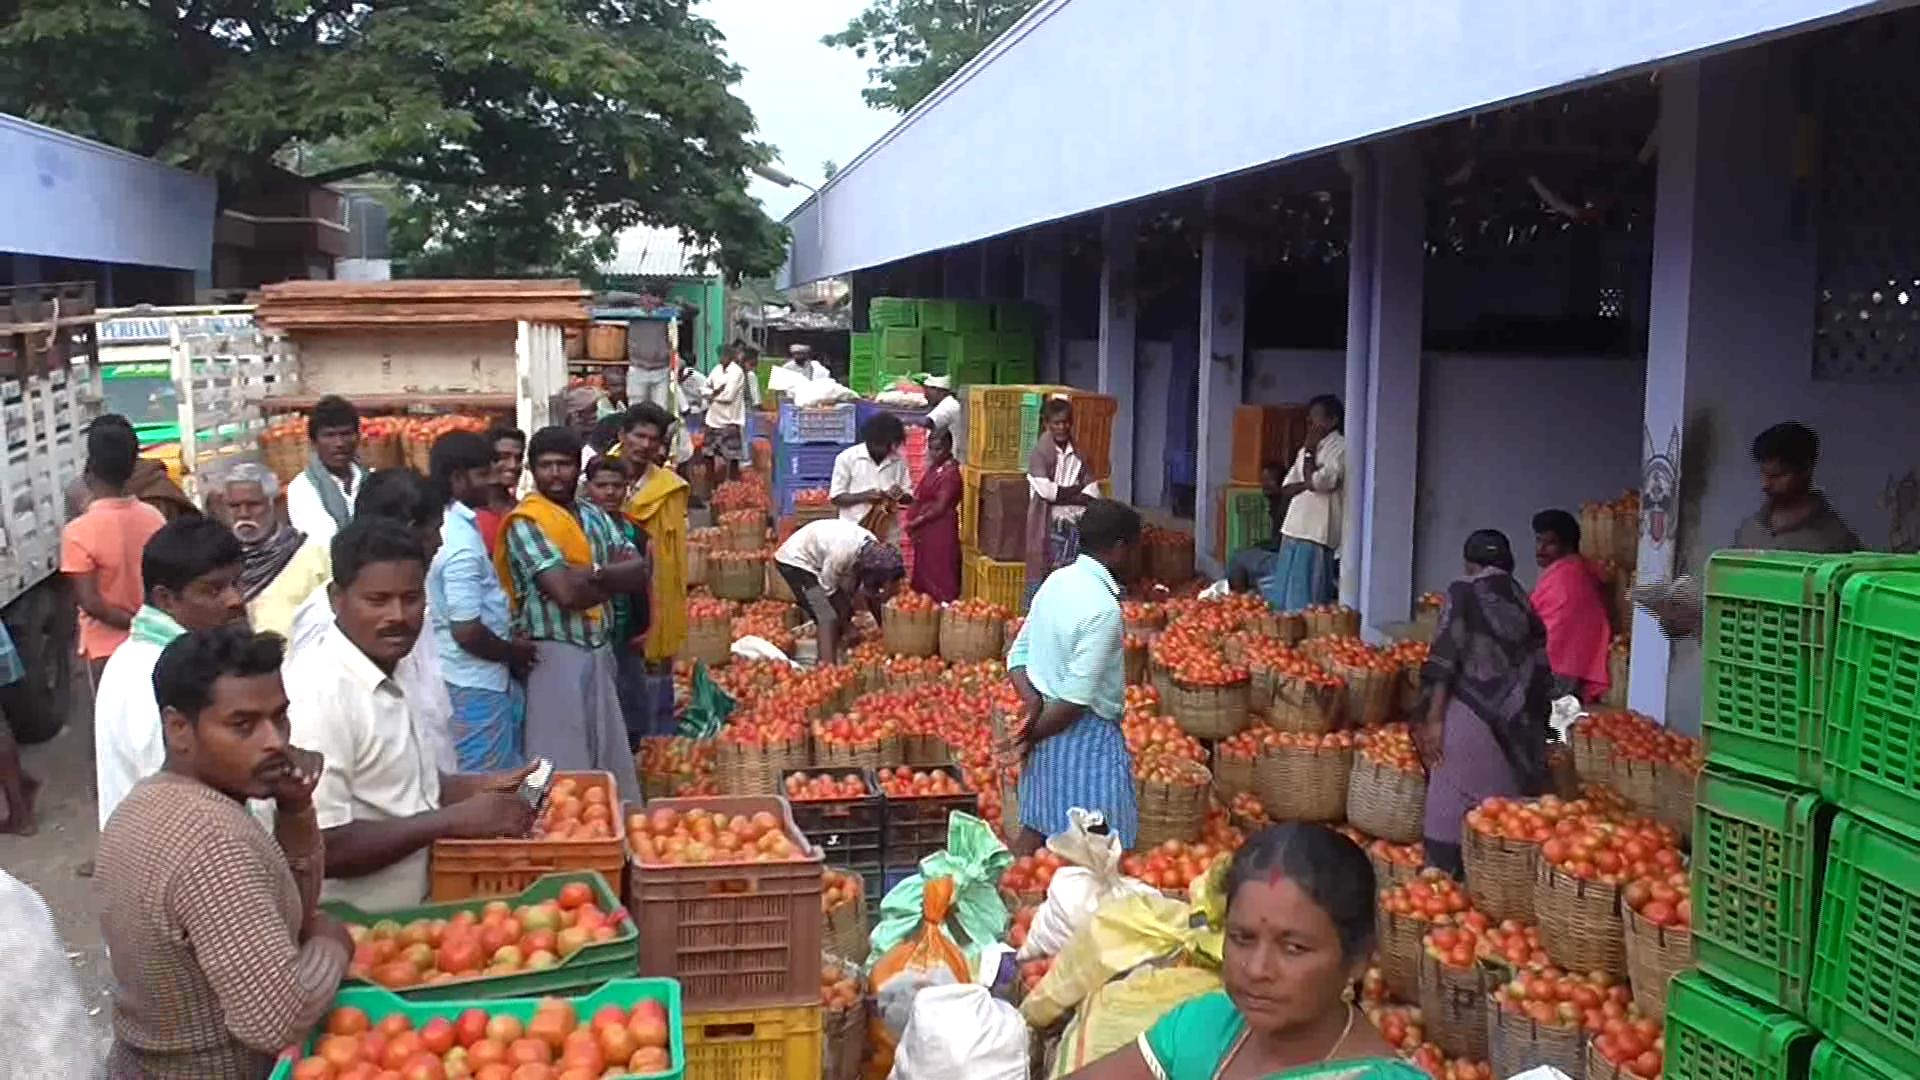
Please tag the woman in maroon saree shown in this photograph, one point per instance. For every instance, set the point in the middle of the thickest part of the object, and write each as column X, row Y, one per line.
column 934, row 522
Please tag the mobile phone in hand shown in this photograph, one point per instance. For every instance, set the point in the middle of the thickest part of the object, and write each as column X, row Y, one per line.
column 537, row 785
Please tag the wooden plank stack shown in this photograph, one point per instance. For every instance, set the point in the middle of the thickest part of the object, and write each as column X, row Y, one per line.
column 333, row 305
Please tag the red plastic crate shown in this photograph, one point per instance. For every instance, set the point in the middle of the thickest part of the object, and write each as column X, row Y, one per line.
column 738, row 934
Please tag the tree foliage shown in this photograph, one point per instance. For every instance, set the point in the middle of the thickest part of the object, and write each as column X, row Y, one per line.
column 518, row 132
column 916, row 44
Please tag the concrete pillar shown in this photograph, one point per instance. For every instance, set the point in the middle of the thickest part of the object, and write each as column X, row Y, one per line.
column 1359, row 166
column 1042, row 286
column 1395, row 304
column 1223, row 341
column 1117, row 351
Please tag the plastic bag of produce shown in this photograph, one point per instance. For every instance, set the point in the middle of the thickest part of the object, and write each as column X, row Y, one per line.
column 961, row 1033
column 1123, row 934
column 1117, row 1013
column 709, row 708
column 1091, row 877
column 972, row 862
column 923, row 959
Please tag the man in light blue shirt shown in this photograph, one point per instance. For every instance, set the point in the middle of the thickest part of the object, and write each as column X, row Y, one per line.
column 1068, row 665
column 480, row 659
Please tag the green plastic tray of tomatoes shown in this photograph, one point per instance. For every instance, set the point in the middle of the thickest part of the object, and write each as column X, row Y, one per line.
column 370, row 1030
column 479, row 971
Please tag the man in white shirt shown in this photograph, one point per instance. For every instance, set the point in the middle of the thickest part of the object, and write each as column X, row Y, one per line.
column 870, row 478
column 320, row 500
column 800, row 361
column 946, row 413
column 829, row 564
column 191, row 572
column 727, row 415
column 382, row 800
column 1307, row 571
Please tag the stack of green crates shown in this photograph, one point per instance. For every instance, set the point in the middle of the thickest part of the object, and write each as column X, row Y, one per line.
column 1806, row 846
column 938, row 346
column 885, row 312
column 1016, row 358
column 971, row 358
column 863, row 367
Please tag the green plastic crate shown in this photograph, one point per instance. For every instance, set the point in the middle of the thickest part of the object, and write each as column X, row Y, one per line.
column 972, row 317
column 937, row 314
column 1758, row 854
column 1017, row 347
column 903, row 345
column 591, row 966
column 1873, row 730
column 1832, row 1061
column 1766, row 650
column 861, row 346
column 938, row 346
column 1016, row 317
column 1015, row 373
column 884, row 312
column 626, row 993
column 862, row 374
column 1249, row 520
column 1716, row 1033
column 971, row 357
column 1866, row 971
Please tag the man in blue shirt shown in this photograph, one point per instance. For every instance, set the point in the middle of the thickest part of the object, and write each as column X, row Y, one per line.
column 481, row 660
column 1068, row 666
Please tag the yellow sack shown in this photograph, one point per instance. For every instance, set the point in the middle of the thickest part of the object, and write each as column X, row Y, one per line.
column 1123, row 934
column 1120, row 1012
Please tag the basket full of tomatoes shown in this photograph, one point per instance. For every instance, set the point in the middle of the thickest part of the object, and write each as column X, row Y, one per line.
column 1499, row 842
column 1302, row 777
column 1206, row 693
column 1371, row 678
column 1331, row 620
column 1387, row 794
column 1544, row 1018
column 737, row 575
column 1578, row 881
column 1453, row 991
column 709, row 631
column 972, row 630
column 910, row 624
column 843, row 913
column 1658, row 912
column 1172, row 792
column 1406, row 914
column 1304, row 697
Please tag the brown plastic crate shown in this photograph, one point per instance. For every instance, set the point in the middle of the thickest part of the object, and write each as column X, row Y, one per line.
column 468, row 868
column 917, row 827
column 737, row 935
column 1263, row 433
column 994, row 521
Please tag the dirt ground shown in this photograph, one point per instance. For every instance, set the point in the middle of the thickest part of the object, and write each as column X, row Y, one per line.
column 51, row 861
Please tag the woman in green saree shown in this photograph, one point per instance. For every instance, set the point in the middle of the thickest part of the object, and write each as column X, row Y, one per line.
column 1299, row 931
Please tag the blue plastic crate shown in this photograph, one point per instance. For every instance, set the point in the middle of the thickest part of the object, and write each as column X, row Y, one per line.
column 784, row 494
column 808, row 465
column 826, row 424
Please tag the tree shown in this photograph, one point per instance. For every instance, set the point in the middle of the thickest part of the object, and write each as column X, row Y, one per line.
column 828, row 168
column 517, row 132
column 917, row 44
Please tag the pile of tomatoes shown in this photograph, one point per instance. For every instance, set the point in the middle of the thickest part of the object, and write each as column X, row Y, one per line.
column 1663, row 900
column 1143, row 614
column 1528, row 821
column 908, row 602
column 766, row 727
column 838, row 889
column 488, row 941
column 1246, row 807
column 978, row 610
column 1515, row 945
column 701, row 609
column 1245, row 745
column 1021, row 925
column 1432, row 1060
column 1170, row 769
column 684, row 766
column 856, row 728
column 1193, row 664
column 1637, row 1047
column 811, row 498
column 1551, row 996
column 1031, row 874
column 1391, row 746
column 554, row 1044
column 1613, row 853
column 1307, row 740
column 1401, row 1025
column 839, row 986
column 1433, row 897
column 1149, row 734
column 577, row 811
column 1174, row 864
column 426, row 430
column 902, row 782
column 664, row 836
column 822, row 787
column 1454, row 945
column 1351, row 652
column 740, row 495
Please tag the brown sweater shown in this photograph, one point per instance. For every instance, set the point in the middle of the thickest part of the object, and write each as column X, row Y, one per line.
column 201, row 910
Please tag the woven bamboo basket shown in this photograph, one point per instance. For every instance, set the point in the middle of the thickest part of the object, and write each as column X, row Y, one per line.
column 1335, row 622
column 1231, row 776
column 709, row 640
column 1599, row 1068
column 286, row 457
column 696, row 564
column 1261, row 682
column 777, row 587
column 965, row 640
column 1161, row 682
column 737, row 579
column 1136, row 661
column 904, row 633
column 1371, row 694
column 1172, row 811
column 880, row 753
column 1400, row 943
column 743, row 535
column 1387, row 873
column 1579, row 921
column 755, row 770
column 1618, row 663
column 1407, row 692
column 387, row 452
column 1207, row 712
column 1291, row 627
column 1516, row 1044
column 1655, row 954
column 1426, row 621
column 1673, row 790
column 1499, row 874
column 1453, row 1005
column 1592, row 757
column 843, row 931
column 1562, row 778
column 843, row 1032
column 1386, row 802
column 1303, row 784
column 1639, row 782
column 1301, row 706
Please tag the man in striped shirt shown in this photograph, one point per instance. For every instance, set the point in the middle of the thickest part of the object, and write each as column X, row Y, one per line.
column 1069, row 668
column 563, row 560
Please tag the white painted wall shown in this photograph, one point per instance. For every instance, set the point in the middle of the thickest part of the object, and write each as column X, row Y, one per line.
column 1504, row 436
column 1143, row 96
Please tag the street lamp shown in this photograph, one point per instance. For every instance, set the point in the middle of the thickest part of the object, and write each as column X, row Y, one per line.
column 775, row 176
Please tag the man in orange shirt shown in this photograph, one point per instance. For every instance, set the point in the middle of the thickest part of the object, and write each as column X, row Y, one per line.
column 100, row 550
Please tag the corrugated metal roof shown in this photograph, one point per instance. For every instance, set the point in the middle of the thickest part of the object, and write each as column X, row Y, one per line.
column 657, row 252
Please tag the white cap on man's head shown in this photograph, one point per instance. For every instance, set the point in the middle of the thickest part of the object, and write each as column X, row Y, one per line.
column 939, row 382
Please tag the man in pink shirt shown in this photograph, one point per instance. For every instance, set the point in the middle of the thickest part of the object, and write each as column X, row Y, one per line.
column 1571, row 600
column 100, row 550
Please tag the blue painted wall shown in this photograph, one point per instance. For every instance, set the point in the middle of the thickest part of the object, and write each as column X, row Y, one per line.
column 68, row 198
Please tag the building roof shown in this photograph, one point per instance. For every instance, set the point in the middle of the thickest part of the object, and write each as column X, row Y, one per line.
column 334, row 305
column 1085, row 104
column 652, row 251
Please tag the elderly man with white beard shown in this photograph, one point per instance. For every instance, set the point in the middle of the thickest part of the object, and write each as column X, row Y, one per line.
column 282, row 567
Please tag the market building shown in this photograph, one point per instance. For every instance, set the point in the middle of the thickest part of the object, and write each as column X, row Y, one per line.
column 1544, row 253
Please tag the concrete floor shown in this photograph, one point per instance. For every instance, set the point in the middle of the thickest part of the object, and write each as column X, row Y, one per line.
column 50, row 861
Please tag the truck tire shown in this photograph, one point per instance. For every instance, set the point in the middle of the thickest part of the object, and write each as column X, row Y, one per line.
column 43, row 624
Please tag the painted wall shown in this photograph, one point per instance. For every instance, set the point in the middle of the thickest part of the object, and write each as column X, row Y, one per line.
column 1292, row 376
column 1101, row 66
column 70, row 198
column 1504, row 436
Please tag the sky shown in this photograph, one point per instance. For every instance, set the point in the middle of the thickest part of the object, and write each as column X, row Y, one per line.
column 805, row 96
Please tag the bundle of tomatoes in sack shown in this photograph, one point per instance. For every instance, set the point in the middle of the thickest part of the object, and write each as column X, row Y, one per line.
column 1129, row 932
column 1090, row 878
column 935, row 926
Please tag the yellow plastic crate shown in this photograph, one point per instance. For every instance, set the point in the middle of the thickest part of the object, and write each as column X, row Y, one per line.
column 1003, row 583
column 996, row 426
column 754, row 1044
